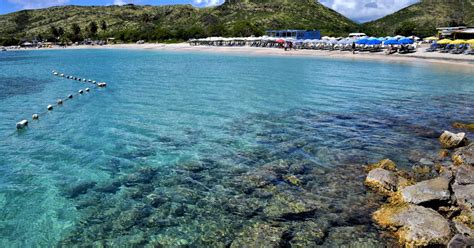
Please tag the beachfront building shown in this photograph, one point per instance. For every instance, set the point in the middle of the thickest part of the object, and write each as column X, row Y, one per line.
column 295, row 34
column 461, row 32
column 356, row 35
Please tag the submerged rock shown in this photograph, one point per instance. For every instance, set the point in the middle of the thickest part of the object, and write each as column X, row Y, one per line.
column 386, row 164
column 291, row 205
column 451, row 140
column 382, row 180
column 307, row 234
column 436, row 189
column 258, row 235
column 415, row 225
column 79, row 189
column 468, row 126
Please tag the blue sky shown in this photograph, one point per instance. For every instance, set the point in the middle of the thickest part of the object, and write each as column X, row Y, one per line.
column 358, row 10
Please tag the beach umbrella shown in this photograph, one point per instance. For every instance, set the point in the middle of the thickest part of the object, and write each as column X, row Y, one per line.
column 470, row 42
column 362, row 41
column 280, row 41
column 457, row 42
column 374, row 42
column 431, row 38
column 391, row 42
column 405, row 41
column 381, row 39
column 444, row 41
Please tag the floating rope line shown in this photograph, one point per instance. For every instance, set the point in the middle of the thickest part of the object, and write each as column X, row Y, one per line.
column 24, row 123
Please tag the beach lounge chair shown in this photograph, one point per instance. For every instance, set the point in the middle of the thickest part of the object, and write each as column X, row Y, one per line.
column 469, row 52
column 446, row 49
column 432, row 48
column 459, row 50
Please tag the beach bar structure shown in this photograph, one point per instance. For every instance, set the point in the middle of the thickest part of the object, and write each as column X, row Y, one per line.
column 295, row 34
column 461, row 32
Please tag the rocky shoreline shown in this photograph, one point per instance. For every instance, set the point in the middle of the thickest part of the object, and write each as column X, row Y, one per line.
column 433, row 203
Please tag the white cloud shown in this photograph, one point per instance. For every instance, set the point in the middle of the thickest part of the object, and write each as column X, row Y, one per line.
column 121, row 2
column 208, row 3
column 366, row 10
column 35, row 4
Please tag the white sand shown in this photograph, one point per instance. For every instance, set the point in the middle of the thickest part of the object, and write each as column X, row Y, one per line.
column 419, row 56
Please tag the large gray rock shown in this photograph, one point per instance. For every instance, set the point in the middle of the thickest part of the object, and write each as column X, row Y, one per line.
column 463, row 228
column 452, row 140
column 464, row 155
column 464, row 195
column 383, row 180
column 429, row 190
column 417, row 226
column 461, row 241
column 465, row 175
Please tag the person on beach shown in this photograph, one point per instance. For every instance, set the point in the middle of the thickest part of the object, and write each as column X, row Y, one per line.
column 353, row 47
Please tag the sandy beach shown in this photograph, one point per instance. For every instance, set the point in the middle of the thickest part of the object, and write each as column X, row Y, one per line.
column 419, row 57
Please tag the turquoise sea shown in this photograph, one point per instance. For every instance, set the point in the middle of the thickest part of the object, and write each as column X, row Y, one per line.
column 210, row 150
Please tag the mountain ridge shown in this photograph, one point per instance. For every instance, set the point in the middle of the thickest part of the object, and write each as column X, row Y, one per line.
column 130, row 22
column 423, row 18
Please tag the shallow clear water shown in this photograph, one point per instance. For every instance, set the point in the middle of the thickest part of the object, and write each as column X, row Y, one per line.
column 191, row 130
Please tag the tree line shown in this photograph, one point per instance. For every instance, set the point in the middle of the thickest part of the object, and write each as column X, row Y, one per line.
column 147, row 31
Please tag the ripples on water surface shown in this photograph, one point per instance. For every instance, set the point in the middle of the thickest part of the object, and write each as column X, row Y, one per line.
column 209, row 150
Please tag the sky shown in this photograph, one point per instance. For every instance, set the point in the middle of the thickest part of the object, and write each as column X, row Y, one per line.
column 357, row 10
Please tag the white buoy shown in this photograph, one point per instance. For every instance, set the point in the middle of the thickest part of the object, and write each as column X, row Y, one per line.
column 62, row 75
column 35, row 117
column 84, row 80
column 94, row 82
column 22, row 124
column 102, row 85
column 55, row 73
column 70, row 96
column 50, row 107
column 60, row 102
column 87, row 89
column 81, row 91
column 89, row 80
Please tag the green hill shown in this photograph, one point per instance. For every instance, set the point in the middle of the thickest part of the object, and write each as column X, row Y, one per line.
column 133, row 22
column 422, row 18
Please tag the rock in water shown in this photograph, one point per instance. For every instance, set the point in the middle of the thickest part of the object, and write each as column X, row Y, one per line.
column 416, row 225
column 451, row 140
column 464, row 155
column 382, row 180
column 436, row 189
column 259, row 235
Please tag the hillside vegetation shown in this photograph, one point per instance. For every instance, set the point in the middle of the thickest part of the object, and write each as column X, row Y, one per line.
column 174, row 22
column 422, row 18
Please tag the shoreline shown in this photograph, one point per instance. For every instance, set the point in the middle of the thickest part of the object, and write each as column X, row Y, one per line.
column 419, row 57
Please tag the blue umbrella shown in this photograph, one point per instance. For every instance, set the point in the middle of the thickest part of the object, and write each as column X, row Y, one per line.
column 405, row 41
column 391, row 42
column 374, row 42
column 362, row 41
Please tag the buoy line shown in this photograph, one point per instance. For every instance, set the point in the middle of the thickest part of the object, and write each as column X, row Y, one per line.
column 83, row 80
column 36, row 116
